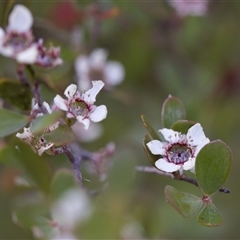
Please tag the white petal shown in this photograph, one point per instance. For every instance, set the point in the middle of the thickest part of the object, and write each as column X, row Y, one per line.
column 84, row 121
column 2, row 34
column 90, row 95
column 165, row 166
column 113, row 73
column 200, row 146
column 70, row 91
column 98, row 58
column 46, row 105
column 7, row 51
column 43, row 149
column 27, row 134
column 170, row 135
column 156, row 147
column 82, row 65
column 60, row 103
column 28, row 56
column 20, row 19
column 195, row 135
column 189, row 164
column 99, row 113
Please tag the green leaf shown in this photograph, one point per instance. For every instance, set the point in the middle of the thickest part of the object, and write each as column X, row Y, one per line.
column 172, row 111
column 60, row 136
column 15, row 93
column 42, row 122
column 36, row 167
column 149, row 128
column 213, row 164
column 182, row 126
column 210, row 216
column 11, row 122
column 152, row 158
column 186, row 204
column 62, row 181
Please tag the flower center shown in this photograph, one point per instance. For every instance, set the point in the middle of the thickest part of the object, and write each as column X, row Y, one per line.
column 178, row 154
column 18, row 42
column 79, row 108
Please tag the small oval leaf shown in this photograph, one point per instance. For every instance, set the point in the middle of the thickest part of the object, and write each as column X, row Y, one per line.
column 149, row 128
column 182, row 126
column 42, row 122
column 60, row 136
column 213, row 164
column 210, row 216
column 172, row 111
column 11, row 122
column 186, row 204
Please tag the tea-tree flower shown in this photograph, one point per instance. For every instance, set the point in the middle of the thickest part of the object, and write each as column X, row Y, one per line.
column 95, row 66
column 48, row 57
column 190, row 7
column 81, row 105
column 17, row 41
column 179, row 151
column 36, row 140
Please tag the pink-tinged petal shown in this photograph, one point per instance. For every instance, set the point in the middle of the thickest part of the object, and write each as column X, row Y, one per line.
column 99, row 113
column 97, row 58
column 20, row 19
column 70, row 91
column 90, row 95
column 170, row 135
column 156, row 147
column 195, row 135
column 2, row 34
column 28, row 56
column 113, row 73
column 60, row 103
column 189, row 164
column 84, row 121
column 82, row 65
column 165, row 166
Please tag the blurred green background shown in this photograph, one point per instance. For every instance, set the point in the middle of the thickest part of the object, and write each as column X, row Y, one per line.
column 196, row 59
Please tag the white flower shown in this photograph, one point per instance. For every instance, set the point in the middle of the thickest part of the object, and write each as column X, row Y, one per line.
column 190, row 7
column 81, row 106
column 17, row 41
column 180, row 150
column 95, row 66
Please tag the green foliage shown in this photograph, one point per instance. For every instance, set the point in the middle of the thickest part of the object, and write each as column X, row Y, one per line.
column 15, row 93
column 186, row 204
column 11, row 122
column 172, row 111
column 42, row 122
column 213, row 164
column 210, row 216
column 182, row 126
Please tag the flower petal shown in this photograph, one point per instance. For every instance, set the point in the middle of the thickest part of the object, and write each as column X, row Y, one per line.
column 189, row 164
column 60, row 103
column 113, row 73
column 156, row 147
column 70, row 91
column 98, row 58
column 20, row 19
column 28, row 56
column 84, row 121
column 165, row 166
column 170, row 135
column 195, row 135
column 90, row 95
column 99, row 113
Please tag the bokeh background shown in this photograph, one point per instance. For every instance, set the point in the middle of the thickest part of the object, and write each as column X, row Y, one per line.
column 195, row 58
